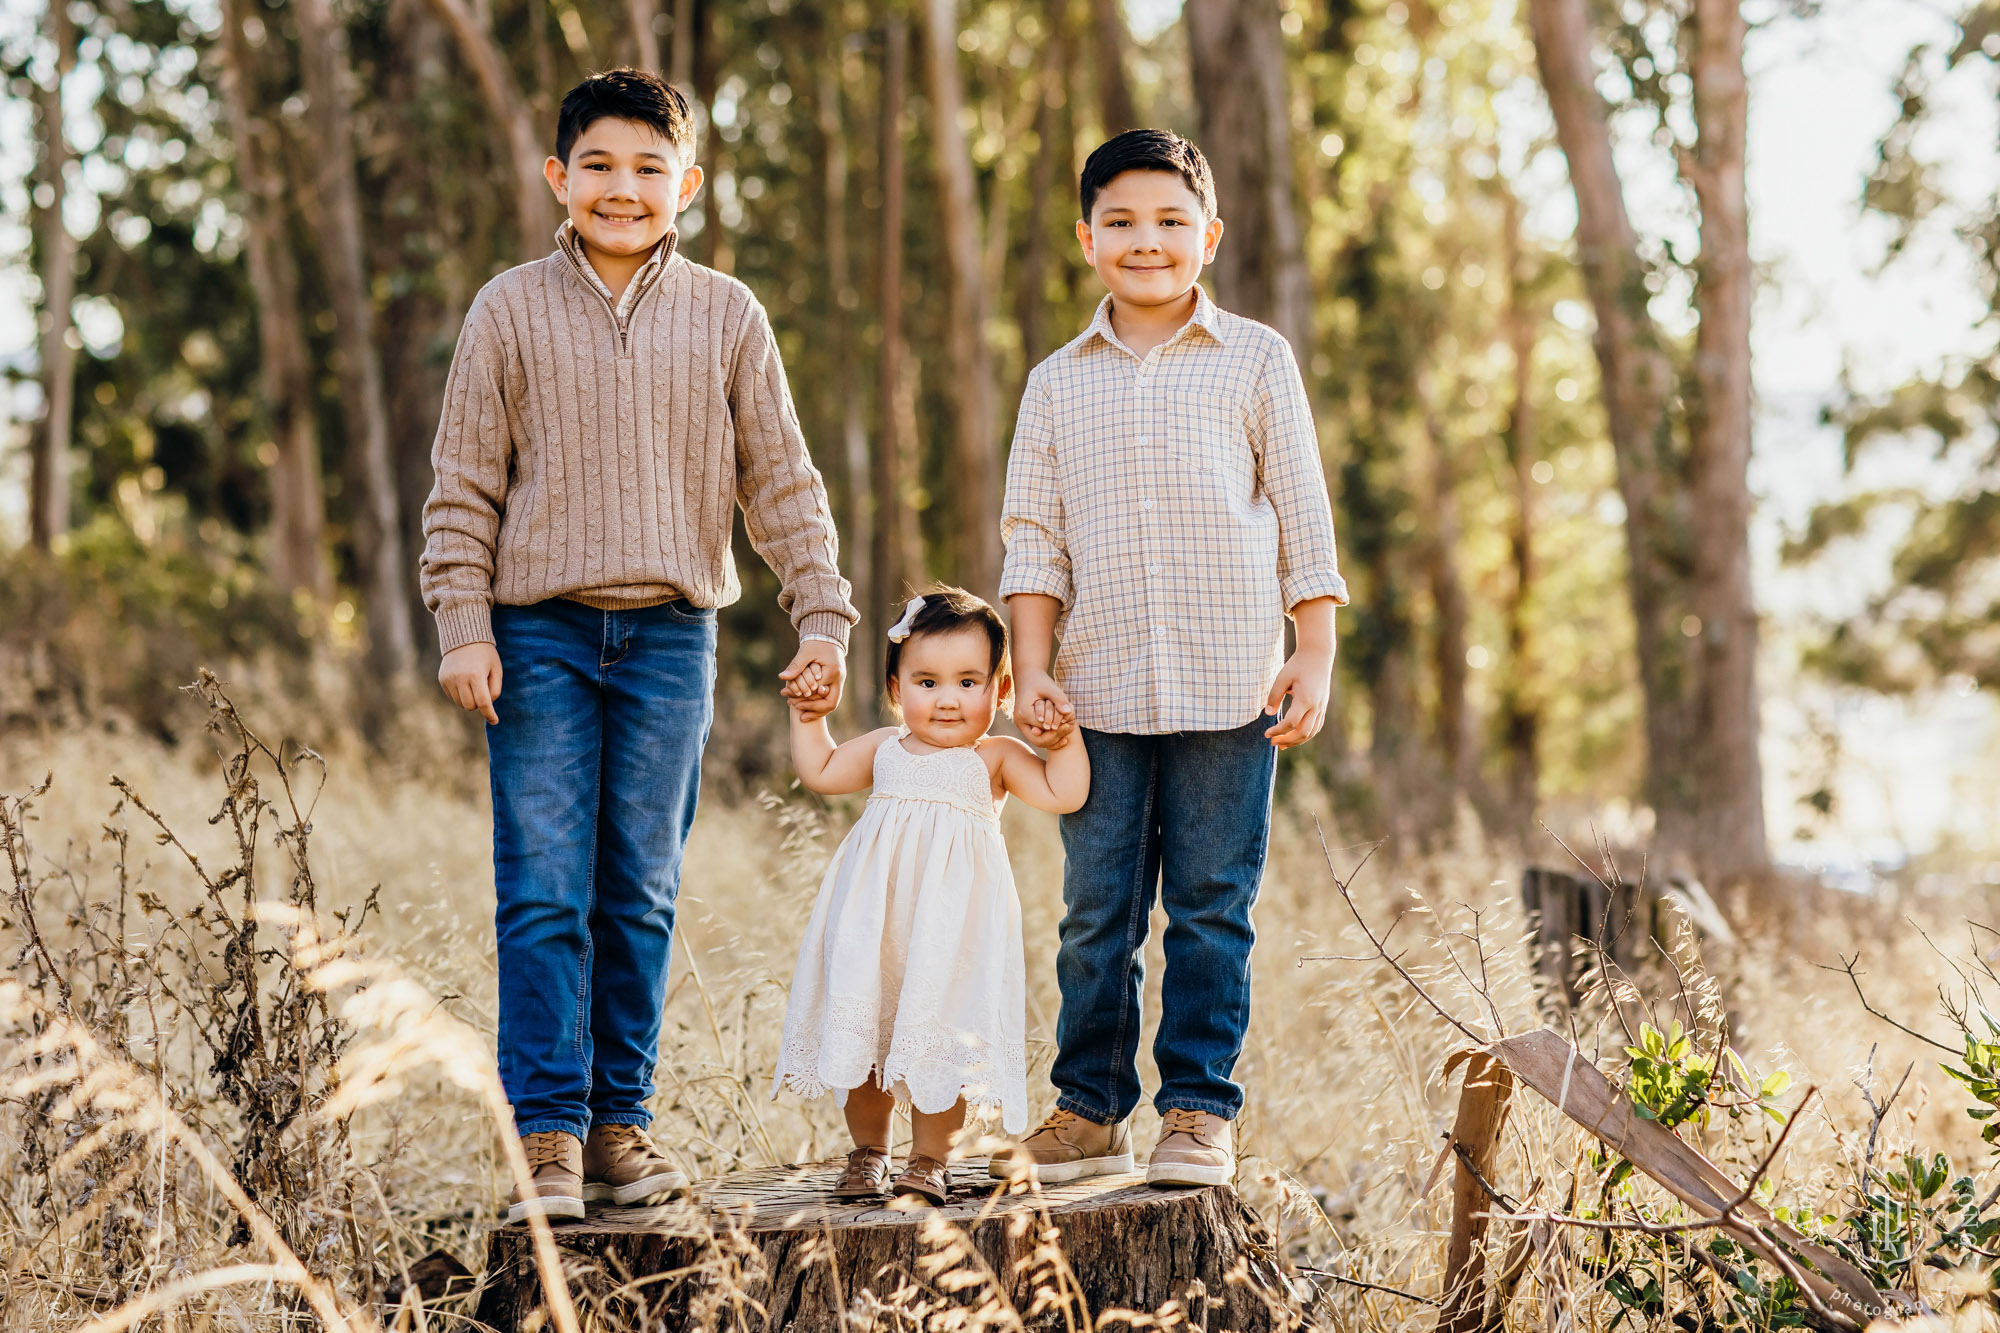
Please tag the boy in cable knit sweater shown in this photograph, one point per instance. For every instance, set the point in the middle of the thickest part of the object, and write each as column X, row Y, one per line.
column 608, row 407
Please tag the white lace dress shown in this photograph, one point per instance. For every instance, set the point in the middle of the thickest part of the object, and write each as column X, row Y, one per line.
column 911, row 968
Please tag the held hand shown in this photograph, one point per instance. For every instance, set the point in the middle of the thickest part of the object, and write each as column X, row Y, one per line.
column 814, row 679
column 1307, row 677
column 1042, row 710
column 470, row 675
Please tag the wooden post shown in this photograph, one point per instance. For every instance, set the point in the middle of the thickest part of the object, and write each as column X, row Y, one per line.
column 768, row 1250
column 1474, row 1144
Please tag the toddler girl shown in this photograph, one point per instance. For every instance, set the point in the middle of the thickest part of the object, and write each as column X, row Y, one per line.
column 910, row 985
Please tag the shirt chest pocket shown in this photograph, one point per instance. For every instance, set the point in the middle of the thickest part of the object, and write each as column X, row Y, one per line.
column 1207, row 435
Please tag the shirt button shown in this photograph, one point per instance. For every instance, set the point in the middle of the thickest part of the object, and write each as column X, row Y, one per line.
column 1145, row 504
column 1159, row 631
column 1152, row 569
column 1142, row 441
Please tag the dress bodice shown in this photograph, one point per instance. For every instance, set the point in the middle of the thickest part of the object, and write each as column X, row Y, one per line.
column 956, row 777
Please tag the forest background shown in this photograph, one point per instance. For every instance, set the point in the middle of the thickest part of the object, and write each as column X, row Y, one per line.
column 1509, row 243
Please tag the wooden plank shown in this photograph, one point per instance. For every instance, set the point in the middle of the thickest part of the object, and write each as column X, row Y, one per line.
column 1482, row 1110
column 1546, row 1062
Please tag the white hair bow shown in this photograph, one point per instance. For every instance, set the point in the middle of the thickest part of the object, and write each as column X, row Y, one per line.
column 901, row 629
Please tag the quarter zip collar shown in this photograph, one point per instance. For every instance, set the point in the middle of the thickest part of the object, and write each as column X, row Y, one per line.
column 621, row 308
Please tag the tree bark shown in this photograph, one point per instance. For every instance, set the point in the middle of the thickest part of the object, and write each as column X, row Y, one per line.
column 889, row 559
column 645, row 41
column 48, row 482
column 1637, row 384
column 975, row 484
column 513, row 124
column 1051, row 143
column 1732, row 787
column 388, row 577
column 1237, row 55
column 1114, row 90
column 298, row 503
column 857, row 513
column 1520, row 718
column 707, row 70
column 1448, row 604
column 767, row 1250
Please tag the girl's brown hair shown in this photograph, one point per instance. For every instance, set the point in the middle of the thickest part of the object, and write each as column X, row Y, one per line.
column 947, row 610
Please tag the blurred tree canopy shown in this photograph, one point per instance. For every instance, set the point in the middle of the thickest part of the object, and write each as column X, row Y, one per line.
column 915, row 266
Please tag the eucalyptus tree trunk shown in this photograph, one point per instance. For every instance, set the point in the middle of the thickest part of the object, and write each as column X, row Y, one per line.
column 521, row 143
column 388, row 577
column 857, row 512
column 1448, row 604
column 890, row 557
column 1732, row 779
column 645, row 41
column 1520, row 718
column 1638, row 381
column 975, row 438
column 1114, row 90
column 1237, row 55
column 706, row 67
column 298, row 503
column 48, row 482
column 1052, row 148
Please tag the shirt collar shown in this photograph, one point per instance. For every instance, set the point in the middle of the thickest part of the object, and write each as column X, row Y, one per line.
column 572, row 245
column 1207, row 317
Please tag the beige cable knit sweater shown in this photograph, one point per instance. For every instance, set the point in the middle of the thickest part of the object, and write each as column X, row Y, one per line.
column 586, row 458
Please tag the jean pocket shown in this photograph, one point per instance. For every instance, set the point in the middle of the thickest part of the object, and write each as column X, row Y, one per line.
column 687, row 613
column 1207, row 435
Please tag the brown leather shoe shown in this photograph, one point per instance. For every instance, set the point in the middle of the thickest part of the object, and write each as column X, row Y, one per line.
column 1195, row 1148
column 924, row 1178
column 1066, row 1147
column 555, row 1170
column 621, row 1166
column 866, row 1176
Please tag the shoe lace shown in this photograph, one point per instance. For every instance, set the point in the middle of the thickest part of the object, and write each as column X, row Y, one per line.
column 1182, row 1120
column 1058, row 1119
column 624, row 1140
column 545, row 1150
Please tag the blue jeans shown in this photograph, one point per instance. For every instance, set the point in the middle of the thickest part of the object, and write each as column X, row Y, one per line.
column 596, row 765
column 1189, row 813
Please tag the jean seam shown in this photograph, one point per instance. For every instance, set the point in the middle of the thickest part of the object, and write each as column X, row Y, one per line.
column 1134, row 916
column 590, row 910
column 1090, row 1113
column 1195, row 1104
column 546, row 1126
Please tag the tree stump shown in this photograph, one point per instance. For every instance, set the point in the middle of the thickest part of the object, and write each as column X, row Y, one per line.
column 769, row 1250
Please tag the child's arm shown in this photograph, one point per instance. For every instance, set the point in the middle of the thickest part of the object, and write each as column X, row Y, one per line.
column 1035, row 584
column 832, row 770
column 1059, row 784
column 471, row 459
column 786, row 515
column 1293, row 478
column 1040, row 705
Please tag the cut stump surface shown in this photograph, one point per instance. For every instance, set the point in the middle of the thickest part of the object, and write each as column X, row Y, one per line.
column 769, row 1250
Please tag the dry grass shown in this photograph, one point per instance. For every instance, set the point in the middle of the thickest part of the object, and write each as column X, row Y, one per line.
column 149, row 1168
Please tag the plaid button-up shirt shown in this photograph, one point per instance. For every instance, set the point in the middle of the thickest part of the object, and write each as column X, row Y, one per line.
column 1175, row 504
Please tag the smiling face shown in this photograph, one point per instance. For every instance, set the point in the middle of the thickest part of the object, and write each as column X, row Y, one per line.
column 945, row 685
column 623, row 185
column 1147, row 237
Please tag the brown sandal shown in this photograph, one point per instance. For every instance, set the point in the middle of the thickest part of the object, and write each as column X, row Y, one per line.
column 925, row 1178
column 866, row 1175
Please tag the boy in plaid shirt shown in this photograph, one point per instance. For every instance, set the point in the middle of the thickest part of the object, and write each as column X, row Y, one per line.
column 1165, row 511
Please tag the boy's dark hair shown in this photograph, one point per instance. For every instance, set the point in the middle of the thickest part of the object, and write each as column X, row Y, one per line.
column 626, row 94
column 947, row 610
column 1147, row 150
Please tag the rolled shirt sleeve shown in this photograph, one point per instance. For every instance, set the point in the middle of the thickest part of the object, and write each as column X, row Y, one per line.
column 1031, row 521
column 1292, row 477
